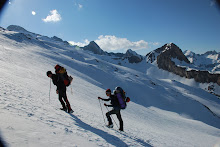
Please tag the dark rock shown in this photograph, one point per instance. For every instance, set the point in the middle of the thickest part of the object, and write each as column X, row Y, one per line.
column 172, row 51
column 93, row 47
column 133, row 57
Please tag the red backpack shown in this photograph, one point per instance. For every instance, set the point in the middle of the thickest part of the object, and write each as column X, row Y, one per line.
column 62, row 73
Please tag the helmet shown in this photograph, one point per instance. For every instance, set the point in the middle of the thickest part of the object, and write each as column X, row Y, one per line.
column 57, row 67
column 108, row 91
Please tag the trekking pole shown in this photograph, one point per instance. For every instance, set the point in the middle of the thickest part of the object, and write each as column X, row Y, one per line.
column 49, row 91
column 112, row 117
column 102, row 111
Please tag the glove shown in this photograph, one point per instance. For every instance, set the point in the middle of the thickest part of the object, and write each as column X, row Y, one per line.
column 105, row 104
column 100, row 98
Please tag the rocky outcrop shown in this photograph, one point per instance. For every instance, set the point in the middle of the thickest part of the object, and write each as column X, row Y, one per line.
column 168, row 50
column 55, row 38
column 203, row 76
column 133, row 57
column 93, row 47
column 164, row 62
column 17, row 29
column 209, row 61
column 173, row 51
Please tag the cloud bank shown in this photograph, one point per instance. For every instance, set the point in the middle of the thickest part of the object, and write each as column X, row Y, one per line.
column 54, row 16
column 112, row 43
column 80, row 44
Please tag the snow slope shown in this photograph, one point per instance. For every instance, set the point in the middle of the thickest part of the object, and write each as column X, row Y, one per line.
column 162, row 112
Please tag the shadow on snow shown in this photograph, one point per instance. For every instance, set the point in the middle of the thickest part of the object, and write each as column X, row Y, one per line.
column 111, row 139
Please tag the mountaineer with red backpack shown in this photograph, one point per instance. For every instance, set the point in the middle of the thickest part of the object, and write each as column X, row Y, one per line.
column 61, row 80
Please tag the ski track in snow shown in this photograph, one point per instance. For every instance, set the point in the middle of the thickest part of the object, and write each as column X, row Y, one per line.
column 162, row 112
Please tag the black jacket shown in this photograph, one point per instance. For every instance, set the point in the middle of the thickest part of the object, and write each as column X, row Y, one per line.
column 114, row 101
column 58, row 82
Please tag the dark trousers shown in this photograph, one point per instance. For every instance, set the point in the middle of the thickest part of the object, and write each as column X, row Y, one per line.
column 118, row 114
column 62, row 96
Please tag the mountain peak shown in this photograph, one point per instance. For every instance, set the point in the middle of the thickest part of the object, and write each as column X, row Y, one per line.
column 210, row 52
column 130, row 52
column 16, row 29
column 92, row 46
column 56, row 38
column 169, row 50
column 133, row 57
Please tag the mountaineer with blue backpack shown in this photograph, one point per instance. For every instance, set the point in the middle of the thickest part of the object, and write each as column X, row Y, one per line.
column 118, row 102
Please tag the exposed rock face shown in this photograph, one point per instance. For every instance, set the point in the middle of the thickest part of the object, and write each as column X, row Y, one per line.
column 203, row 76
column 172, row 51
column 209, row 61
column 56, row 38
column 164, row 61
column 16, row 28
column 93, row 47
column 133, row 57
column 169, row 50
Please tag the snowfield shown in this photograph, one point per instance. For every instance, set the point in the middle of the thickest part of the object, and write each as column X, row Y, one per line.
column 165, row 110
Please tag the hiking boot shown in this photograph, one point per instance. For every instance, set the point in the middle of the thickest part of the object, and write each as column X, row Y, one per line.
column 121, row 129
column 110, row 126
column 64, row 108
column 70, row 111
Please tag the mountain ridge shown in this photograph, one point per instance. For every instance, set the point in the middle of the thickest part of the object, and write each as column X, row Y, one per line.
column 170, row 50
column 171, row 58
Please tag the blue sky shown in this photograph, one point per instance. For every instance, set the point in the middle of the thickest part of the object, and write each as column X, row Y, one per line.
column 117, row 25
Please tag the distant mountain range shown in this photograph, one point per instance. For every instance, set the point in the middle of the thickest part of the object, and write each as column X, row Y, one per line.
column 209, row 61
column 202, row 67
column 171, row 58
column 132, row 56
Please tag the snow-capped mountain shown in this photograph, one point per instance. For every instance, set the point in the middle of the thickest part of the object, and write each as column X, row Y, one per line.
column 170, row 50
column 209, row 61
column 93, row 47
column 171, row 58
column 165, row 109
column 133, row 57
column 23, row 34
column 130, row 55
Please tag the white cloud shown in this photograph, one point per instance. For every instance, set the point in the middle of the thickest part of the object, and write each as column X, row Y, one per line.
column 155, row 43
column 53, row 17
column 80, row 6
column 111, row 43
column 80, row 44
column 33, row 13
